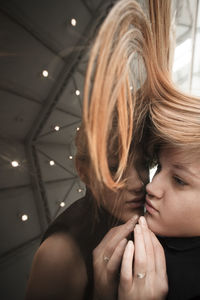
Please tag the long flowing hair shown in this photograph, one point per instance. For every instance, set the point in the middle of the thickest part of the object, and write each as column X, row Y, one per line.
column 129, row 94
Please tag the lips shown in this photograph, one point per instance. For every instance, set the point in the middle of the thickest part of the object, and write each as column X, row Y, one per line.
column 149, row 206
column 136, row 202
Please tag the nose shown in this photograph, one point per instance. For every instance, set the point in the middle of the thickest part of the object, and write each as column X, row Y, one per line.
column 155, row 188
column 135, row 183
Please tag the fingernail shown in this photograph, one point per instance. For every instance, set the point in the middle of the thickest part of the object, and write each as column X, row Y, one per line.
column 137, row 228
column 131, row 222
column 142, row 221
column 135, row 217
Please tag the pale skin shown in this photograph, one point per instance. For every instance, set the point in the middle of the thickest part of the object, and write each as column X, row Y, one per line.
column 172, row 201
column 173, row 209
column 59, row 269
column 148, row 253
column 149, row 259
column 112, row 246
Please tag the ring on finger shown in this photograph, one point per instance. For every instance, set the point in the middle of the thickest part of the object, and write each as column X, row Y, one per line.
column 140, row 275
column 106, row 259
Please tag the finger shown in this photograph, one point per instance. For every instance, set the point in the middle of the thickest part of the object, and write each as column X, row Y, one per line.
column 150, row 267
column 140, row 260
column 126, row 275
column 160, row 261
column 115, row 235
column 116, row 258
column 124, row 230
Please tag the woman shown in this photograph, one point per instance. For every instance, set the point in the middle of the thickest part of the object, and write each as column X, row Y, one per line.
column 111, row 160
column 174, row 119
column 172, row 212
column 62, row 267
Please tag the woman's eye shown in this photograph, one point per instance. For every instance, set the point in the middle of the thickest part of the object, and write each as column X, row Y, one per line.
column 179, row 181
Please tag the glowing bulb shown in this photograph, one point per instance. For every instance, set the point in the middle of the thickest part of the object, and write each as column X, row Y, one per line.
column 79, row 190
column 52, row 163
column 45, row 73
column 131, row 88
column 70, row 157
column 78, row 128
column 73, row 22
column 24, row 218
column 57, row 128
column 77, row 92
column 15, row 163
column 62, row 204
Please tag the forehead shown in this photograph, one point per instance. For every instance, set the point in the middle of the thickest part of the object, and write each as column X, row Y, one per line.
column 185, row 158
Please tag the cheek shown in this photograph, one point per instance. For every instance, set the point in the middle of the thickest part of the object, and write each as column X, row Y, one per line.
column 113, row 203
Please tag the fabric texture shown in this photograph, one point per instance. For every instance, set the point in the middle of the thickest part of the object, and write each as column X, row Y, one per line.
column 183, row 267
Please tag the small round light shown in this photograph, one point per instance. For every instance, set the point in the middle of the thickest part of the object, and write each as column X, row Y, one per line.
column 57, row 128
column 15, row 163
column 79, row 190
column 52, row 162
column 73, row 22
column 45, row 73
column 70, row 157
column 77, row 92
column 78, row 128
column 131, row 88
column 62, row 204
column 24, row 218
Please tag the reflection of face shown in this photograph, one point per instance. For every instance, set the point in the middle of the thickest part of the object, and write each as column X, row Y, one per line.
column 173, row 197
column 132, row 201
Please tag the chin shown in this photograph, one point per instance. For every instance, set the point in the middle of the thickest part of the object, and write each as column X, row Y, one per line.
column 152, row 224
column 128, row 214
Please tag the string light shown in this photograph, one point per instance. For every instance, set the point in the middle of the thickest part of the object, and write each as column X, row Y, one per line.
column 78, row 128
column 79, row 190
column 52, row 163
column 70, row 157
column 73, row 22
column 77, row 92
column 62, row 204
column 15, row 163
column 24, row 218
column 45, row 73
column 57, row 128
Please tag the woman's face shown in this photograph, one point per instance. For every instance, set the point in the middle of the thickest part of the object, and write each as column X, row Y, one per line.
column 173, row 196
column 133, row 195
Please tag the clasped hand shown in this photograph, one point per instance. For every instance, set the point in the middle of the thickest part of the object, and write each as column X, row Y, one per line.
column 143, row 266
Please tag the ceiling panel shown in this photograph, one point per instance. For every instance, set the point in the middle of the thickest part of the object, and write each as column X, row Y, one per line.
column 13, row 279
column 13, row 231
column 16, row 113
column 13, row 176
column 23, row 58
column 54, row 23
column 69, row 191
column 67, row 128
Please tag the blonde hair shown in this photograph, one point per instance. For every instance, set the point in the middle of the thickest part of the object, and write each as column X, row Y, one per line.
column 128, row 87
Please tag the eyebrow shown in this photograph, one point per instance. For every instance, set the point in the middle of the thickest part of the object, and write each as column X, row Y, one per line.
column 185, row 169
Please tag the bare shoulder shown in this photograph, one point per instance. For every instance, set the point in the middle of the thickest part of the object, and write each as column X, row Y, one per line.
column 58, row 270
